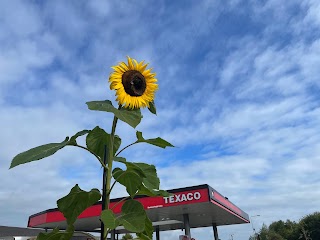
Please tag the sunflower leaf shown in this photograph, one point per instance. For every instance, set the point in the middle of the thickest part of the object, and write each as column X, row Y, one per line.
column 109, row 219
column 73, row 140
column 129, row 178
column 151, row 180
column 148, row 231
column 120, row 159
column 152, row 192
column 159, row 142
column 131, row 117
column 97, row 139
column 55, row 234
column 152, row 108
column 76, row 202
column 133, row 216
column 38, row 153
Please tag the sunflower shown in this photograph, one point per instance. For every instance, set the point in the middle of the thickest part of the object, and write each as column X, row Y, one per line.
column 135, row 85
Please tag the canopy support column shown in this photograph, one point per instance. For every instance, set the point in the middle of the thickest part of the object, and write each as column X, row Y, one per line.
column 157, row 233
column 113, row 234
column 215, row 231
column 186, row 225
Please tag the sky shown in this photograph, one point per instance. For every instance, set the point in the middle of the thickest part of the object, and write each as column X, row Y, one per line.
column 238, row 97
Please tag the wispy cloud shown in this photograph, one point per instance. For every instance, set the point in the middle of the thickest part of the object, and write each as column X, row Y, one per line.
column 238, row 97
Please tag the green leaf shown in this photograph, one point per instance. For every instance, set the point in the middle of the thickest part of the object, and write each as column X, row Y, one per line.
column 129, row 178
column 130, row 166
column 120, row 159
column 133, row 216
column 151, row 181
column 97, row 139
column 57, row 235
column 136, row 168
column 116, row 143
column 131, row 117
column 76, row 202
column 159, row 142
column 38, row 153
column 73, row 141
column 148, row 232
column 109, row 219
column 152, row 108
column 152, row 192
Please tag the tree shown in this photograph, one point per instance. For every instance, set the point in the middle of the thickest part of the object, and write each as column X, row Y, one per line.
column 263, row 232
column 310, row 226
column 288, row 230
column 127, row 236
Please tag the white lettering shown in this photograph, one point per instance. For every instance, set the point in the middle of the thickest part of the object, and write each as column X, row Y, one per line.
column 189, row 196
column 184, row 198
column 197, row 195
column 177, row 198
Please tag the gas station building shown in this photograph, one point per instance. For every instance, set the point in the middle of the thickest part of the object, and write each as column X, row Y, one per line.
column 189, row 207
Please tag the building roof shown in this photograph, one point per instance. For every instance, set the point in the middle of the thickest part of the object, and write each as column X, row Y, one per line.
column 204, row 205
column 6, row 231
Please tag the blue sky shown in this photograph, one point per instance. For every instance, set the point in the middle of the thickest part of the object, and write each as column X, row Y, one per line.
column 238, row 95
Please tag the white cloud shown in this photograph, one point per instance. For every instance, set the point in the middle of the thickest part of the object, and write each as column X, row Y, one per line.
column 242, row 109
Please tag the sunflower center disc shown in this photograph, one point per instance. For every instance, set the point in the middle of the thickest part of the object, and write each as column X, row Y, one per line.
column 134, row 83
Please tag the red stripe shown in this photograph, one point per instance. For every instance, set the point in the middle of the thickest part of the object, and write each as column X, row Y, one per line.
column 185, row 197
column 220, row 205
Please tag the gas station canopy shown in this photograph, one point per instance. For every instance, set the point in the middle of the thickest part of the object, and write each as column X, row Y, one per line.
column 196, row 206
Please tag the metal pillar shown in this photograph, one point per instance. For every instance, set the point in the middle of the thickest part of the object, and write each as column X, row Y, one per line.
column 113, row 234
column 186, row 225
column 215, row 231
column 157, row 233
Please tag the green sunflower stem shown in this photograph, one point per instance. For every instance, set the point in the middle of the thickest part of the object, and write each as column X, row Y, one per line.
column 109, row 157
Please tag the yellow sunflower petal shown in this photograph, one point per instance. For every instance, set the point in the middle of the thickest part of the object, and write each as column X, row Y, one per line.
column 124, row 66
column 117, row 84
column 130, row 64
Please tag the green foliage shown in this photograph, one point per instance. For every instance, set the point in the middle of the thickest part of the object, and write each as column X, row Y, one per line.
column 152, row 108
column 98, row 139
column 127, row 236
column 129, row 178
column 131, row 117
column 284, row 229
column 307, row 228
column 45, row 150
column 38, row 153
column 151, row 179
column 311, row 225
column 133, row 216
column 263, row 232
column 152, row 192
column 138, row 178
column 76, row 202
column 159, row 142
column 109, row 219
column 148, row 231
column 73, row 140
column 56, row 235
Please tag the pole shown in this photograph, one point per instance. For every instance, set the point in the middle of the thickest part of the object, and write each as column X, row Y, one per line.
column 215, row 231
column 186, row 225
column 157, row 233
column 253, row 229
column 104, row 190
